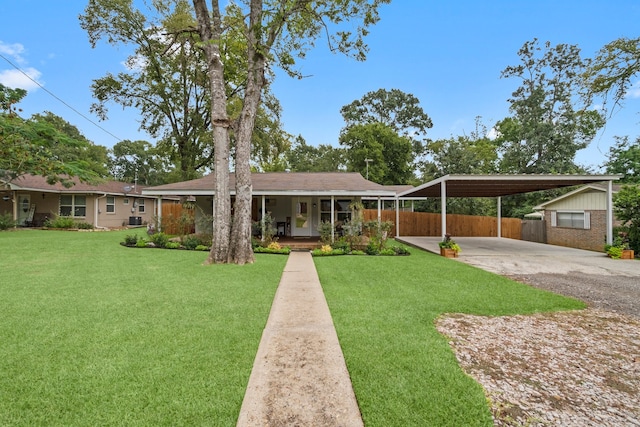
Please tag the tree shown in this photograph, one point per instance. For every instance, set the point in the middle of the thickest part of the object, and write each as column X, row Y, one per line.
column 624, row 159
column 612, row 70
column 626, row 206
column 165, row 80
column 394, row 108
column 377, row 151
column 303, row 157
column 138, row 161
column 93, row 156
column 276, row 32
column 35, row 146
column 548, row 125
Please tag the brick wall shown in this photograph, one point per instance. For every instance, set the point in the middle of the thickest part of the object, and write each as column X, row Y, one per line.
column 592, row 239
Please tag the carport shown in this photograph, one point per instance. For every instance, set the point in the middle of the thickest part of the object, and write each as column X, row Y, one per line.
column 503, row 185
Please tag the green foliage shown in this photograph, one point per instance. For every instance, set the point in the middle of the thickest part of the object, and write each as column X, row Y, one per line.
column 378, row 232
column 130, row 239
column 624, row 159
column 449, row 243
column 40, row 147
column 6, row 221
column 325, row 228
column 202, row 248
column 84, row 226
column 267, row 250
column 141, row 243
column 390, row 155
column 309, row 158
column 547, row 127
column 626, row 206
column 172, row 245
column 192, row 242
column 60, row 221
column 614, row 252
column 160, row 240
column 266, row 229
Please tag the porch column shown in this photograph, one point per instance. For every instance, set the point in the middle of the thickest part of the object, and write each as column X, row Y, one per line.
column 609, row 212
column 443, row 208
column 333, row 225
column 159, row 213
column 264, row 211
column 398, row 218
column 379, row 209
column 499, row 216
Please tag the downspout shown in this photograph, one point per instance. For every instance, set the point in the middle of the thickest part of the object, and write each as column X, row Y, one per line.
column 95, row 212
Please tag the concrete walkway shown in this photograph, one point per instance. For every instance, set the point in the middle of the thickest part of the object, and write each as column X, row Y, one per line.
column 299, row 376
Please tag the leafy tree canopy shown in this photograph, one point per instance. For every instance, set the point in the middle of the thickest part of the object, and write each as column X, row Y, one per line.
column 39, row 147
column 548, row 126
column 303, row 157
column 377, row 151
column 624, row 159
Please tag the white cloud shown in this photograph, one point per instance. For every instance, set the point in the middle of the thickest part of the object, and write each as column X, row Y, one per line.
column 23, row 78
column 634, row 90
column 14, row 50
column 16, row 79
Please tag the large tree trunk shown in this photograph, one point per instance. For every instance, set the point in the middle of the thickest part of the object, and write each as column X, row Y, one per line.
column 240, row 250
column 211, row 32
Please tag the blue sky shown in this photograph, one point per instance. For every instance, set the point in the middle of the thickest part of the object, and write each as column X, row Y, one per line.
column 448, row 54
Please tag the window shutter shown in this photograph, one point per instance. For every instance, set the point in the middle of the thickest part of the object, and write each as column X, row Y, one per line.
column 587, row 220
column 554, row 219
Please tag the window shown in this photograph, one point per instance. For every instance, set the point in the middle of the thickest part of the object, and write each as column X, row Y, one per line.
column 125, row 201
column 571, row 220
column 111, row 204
column 140, row 205
column 73, row 205
column 342, row 213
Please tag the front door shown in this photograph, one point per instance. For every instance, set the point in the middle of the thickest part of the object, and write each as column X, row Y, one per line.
column 24, row 204
column 301, row 224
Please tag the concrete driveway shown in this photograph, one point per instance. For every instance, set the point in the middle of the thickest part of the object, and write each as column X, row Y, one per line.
column 590, row 276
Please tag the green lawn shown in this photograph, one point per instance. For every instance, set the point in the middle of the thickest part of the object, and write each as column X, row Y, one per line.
column 93, row 333
column 402, row 369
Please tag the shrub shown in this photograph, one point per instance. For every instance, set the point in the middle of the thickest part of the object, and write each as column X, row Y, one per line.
column 201, row 248
column 326, row 230
column 61, row 222
column 172, row 245
column 342, row 244
column 283, row 251
column 615, row 252
column 84, row 226
column 387, row 251
column 274, row 245
column 192, row 242
column 401, row 250
column 372, row 248
column 6, row 221
column 159, row 239
column 141, row 243
column 130, row 239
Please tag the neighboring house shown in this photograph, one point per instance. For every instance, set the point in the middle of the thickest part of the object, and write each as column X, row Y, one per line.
column 578, row 219
column 109, row 204
column 297, row 201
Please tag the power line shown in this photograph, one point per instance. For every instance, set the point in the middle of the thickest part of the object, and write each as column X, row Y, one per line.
column 60, row 100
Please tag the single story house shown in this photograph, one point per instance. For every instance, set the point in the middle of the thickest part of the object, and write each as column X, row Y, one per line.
column 578, row 219
column 110, row 204
column 297, row 201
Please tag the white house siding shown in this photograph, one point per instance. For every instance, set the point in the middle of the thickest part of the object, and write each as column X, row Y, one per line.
column 589, row 200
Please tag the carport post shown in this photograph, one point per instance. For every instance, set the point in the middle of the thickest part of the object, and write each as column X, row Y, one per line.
column 443, row 208
column 499, row 216
column 397, row 218
column 609, row 212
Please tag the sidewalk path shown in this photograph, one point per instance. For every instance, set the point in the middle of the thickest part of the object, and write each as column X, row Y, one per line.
column 299, row 376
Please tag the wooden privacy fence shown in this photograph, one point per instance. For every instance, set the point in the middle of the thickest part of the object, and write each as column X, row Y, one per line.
column 177, row 220
column 429, row 224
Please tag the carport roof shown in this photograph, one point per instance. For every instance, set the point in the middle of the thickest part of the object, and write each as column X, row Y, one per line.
column 499, row 185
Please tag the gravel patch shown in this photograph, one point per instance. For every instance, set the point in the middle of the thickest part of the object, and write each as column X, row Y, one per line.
column 577, row 368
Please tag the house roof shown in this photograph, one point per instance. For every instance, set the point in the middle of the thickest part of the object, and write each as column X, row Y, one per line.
column 39, row 183
column 283, row 183
column 499, row 185
column 591, row 187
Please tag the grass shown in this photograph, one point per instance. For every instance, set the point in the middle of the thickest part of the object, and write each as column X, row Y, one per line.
column 94, row 333
column 384, row 308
